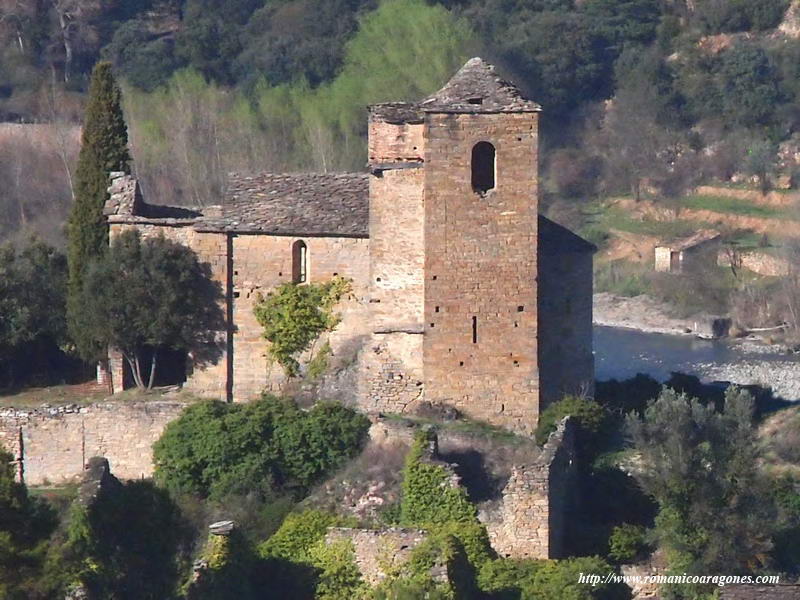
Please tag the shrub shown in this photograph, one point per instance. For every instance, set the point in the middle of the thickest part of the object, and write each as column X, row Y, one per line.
column 588, row 413
column 215, row 448
column 126, row 543
column 293, row 316
column 627, row 542
column 339, row 578
column 526, row 579
column 297, row 564
column 428, row 497
column 296, row 536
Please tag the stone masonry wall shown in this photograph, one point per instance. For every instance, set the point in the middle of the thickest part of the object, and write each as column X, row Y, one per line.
column 566, row 362
column 378, row 551
column 261, row 263
column 391, row 364
column 53, row 445
column 394, row 142
column 207, row 369
column 536, row 501
column 480, row 262
column 246, row 266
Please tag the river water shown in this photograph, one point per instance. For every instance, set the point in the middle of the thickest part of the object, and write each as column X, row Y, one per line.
column 622, row 353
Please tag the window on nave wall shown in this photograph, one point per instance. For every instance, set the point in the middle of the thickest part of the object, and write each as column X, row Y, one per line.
column 299, row 262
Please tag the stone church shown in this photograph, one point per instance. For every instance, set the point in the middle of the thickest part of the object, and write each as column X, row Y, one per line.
column 463, row 295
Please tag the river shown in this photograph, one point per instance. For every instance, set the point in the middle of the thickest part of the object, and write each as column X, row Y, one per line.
column 622, row 353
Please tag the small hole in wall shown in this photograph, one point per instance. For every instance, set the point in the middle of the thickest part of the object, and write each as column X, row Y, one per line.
column 415, row 147
column 335, row 274
column 432, row 325
column 436, row 309
column 449, row 350
column 461, row 363
column 502, row 408
column 434, row 277
column 235, row 294
column 519, row 139
column 516, row 324
column 236, row 272
column 520, row 308
column 280, row 274
column 516, row 363
column 377, row 279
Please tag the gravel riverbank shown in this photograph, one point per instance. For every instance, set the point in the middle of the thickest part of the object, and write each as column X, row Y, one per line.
column 752, row 361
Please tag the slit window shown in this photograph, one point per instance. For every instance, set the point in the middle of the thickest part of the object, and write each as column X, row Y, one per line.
column 483, row 167
column 299, row 262
column 474, row 330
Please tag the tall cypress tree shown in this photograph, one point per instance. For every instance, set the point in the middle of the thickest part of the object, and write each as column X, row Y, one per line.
column 104, row 148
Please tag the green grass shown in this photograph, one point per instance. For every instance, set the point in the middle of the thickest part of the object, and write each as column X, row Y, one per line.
column 605, row 219
column 54, row 395
column 735, row 206
column 622, row 278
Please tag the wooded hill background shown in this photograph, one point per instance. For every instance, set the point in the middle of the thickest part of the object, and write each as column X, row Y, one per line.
column 699, row 89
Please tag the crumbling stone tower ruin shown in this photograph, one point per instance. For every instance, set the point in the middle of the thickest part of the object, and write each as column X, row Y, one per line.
column 462, row 296
column 477, row 301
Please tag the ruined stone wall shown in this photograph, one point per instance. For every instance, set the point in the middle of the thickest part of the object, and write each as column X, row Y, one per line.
column 53, row 445
column 480, row 262
column 261, row 263
column 378, row 552
column 536, row 501
column 762, row 263
column 566, row 362
column 207, row 368
column 391, row 364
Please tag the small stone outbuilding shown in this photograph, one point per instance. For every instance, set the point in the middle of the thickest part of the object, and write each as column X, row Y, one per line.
column 688, row 254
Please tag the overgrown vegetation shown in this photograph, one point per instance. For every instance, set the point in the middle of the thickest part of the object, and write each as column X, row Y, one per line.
column 33, row 316
column 146, row 296
column 293, row 316
column 265, row 446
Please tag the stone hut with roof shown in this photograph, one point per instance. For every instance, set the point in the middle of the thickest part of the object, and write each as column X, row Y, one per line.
column 463, row 295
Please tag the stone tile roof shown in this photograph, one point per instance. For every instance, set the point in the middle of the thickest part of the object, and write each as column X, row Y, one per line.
column 396, row 112
column 556, row 239
column 476, row 87
column 294, row 204
column 701, row 237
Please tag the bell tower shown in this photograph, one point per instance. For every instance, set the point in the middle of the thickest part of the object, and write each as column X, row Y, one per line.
column 477, row 301
column 481, row 214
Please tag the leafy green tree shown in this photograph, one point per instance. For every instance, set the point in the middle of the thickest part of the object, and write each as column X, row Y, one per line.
column 215, row 448
column 209, row 40
column 588, row 413
column 286, row 41
column 32, row 311
column 25, row 525
column 144, row 295
column 140, row 560
column 701, row 466
column 141, row 60
column 104, row 148
column 563, row 56
column 749, row 85
column 624, row 22
column 761, row 161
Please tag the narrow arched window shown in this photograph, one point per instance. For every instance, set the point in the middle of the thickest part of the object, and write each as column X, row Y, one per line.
column 299, row 262
column 483, row 167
